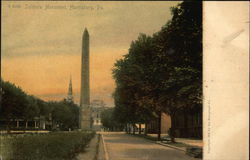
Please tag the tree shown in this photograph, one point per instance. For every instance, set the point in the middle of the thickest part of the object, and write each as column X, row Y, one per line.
column 133, row 78
column 162, row 73
column 180, row 59
column 14, row 102
column 43, row 108
column 108, row 120
column 74, row 114
column 64, row 114
column 31, row 109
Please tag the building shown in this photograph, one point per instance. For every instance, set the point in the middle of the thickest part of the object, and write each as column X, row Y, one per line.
column 186, row 123
column 37, row 123
column 97, row 106
column 152, row 127
column 96, row 118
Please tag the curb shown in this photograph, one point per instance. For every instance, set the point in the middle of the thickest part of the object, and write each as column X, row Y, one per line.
column 105, row 149
column 167, row 145
column 97, row 147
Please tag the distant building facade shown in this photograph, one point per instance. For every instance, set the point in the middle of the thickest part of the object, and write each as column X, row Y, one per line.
column 36, row 123
column 185, row 123
column 188, row 123
column 97, row 106
column 152, row 127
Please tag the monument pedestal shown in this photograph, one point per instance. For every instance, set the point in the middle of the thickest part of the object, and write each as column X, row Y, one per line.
column 86, row 119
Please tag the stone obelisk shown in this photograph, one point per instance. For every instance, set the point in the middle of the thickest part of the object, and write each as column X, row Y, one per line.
column 85, row 110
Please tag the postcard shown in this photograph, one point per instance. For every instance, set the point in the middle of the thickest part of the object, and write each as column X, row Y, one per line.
column 124, row 80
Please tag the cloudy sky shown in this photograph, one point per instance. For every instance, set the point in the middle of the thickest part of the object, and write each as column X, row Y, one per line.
column 41, row 42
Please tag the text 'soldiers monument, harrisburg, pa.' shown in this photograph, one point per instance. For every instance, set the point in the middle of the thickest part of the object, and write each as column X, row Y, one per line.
column 85, row 110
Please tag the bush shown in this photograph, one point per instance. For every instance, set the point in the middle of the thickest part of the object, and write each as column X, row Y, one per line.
column 52, row 146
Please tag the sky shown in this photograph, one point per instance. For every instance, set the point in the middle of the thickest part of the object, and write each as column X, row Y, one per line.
column 41, row 42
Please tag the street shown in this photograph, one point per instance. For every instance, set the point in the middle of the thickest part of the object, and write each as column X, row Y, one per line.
column 120, row 146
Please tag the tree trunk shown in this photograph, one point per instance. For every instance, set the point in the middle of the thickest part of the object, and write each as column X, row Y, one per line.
column 159, row 127
column 186, row 124
column 8, row 126
column 139, row 128
column 17, row 124
column 146, row 129
column 133, row 128
column 172, row 129
column 26, row 124
column 129, row 128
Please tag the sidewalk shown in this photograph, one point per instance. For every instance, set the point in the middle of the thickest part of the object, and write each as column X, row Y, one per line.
column 91, row 151
column 186, row 141
column 192, row 147
column 191, row 142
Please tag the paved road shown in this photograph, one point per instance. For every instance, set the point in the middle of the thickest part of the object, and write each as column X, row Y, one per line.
column 120, row 146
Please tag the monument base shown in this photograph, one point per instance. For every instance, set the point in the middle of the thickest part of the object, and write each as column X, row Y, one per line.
column 86, row 119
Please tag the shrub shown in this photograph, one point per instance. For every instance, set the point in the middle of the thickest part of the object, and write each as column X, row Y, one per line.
column 52, row 146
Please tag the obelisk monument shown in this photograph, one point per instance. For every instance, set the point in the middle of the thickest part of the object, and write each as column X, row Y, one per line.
column 85, row 110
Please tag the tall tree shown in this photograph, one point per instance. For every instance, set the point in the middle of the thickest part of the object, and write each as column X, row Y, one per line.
column 14, row 102
column 162, row 73
column 109, row 120
column 31, row 109
column 180, row 58
column 133, row 78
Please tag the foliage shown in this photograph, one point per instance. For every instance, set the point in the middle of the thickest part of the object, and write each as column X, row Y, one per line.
column 179, row 57
column 133, row 79
column 13, row 102
column 31, row 109
column 163, row 72
column 16, row 104
column 65, row 114
column 108, row 120
column 51, row 146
